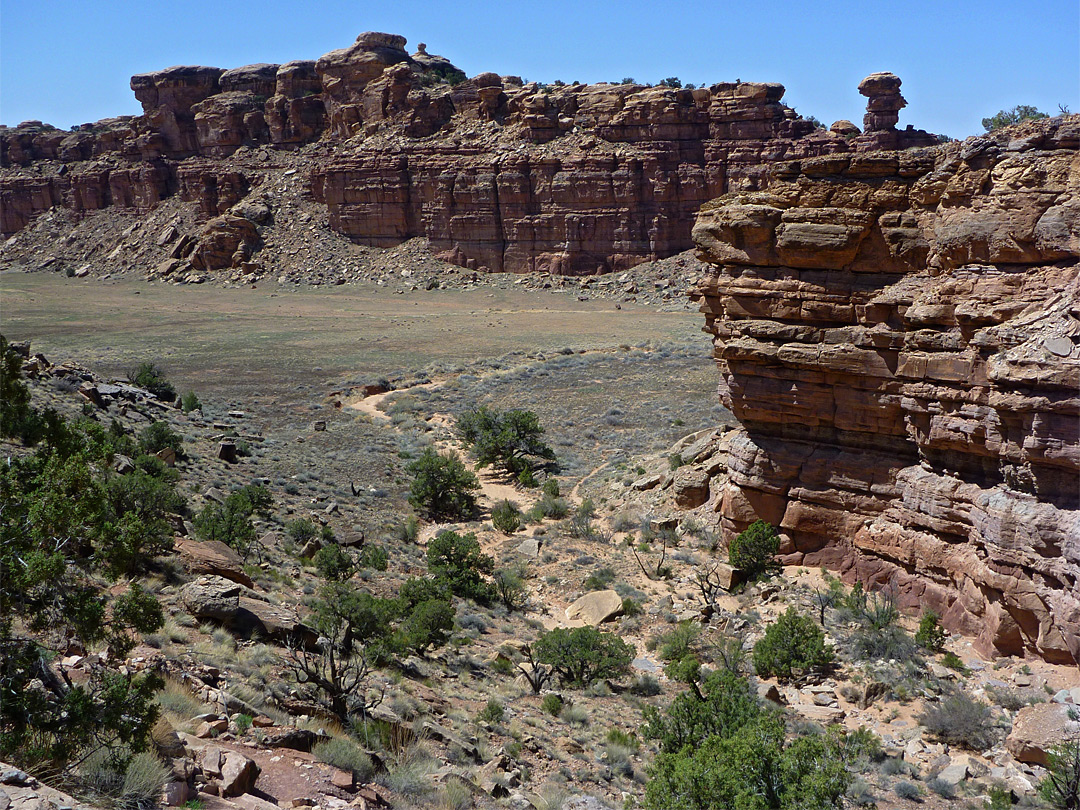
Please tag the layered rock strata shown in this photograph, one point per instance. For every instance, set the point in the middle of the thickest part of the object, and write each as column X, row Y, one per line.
column 898, row 334
column 498, row 174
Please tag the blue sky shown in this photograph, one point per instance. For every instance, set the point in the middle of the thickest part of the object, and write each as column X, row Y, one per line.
column 69, row 62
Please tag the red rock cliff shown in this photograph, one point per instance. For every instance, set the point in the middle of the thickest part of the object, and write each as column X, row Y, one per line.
column 898, row 334
column 496, row 173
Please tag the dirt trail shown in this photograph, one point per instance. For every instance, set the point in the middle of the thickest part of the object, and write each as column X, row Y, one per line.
column 494, row 487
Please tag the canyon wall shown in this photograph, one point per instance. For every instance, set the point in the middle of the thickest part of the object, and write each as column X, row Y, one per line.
column 898, row 333
column 498, row 174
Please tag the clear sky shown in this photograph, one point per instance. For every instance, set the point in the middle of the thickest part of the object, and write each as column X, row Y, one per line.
column 68, row 62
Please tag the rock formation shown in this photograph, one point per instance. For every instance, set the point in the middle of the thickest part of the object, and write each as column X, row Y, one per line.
column 572, row 179
column 898, row 333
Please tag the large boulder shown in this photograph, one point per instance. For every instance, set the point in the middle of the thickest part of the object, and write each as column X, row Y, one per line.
column 595, row 608
column 691, row 487
column 211, row 597
column 1039, row 728
column 213, row 557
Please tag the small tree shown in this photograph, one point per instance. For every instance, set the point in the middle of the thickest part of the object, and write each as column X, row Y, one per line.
column 334, row 563
column 754, row 551
column 442, row 486
column 458, row 560
column 230, row 522
column 157, row 436
column 510, row 584
column 930, row 635
column 190, row 402
column 1003, row 118
column 792, row 646
column 584, row 654
column 725, row 704
column 152, row 378
column 755, row 768
column 510, row 439
column 428, row 625
column 14, row 394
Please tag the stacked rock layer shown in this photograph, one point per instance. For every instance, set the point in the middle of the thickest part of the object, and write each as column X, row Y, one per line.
column 898, row 334
column 498, row 174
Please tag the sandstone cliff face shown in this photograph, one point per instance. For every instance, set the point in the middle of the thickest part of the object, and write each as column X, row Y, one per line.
column 497, row 174
column 899, row 335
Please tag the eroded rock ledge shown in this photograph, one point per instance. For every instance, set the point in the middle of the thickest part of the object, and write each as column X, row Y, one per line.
column 497, row 173
column 898, row 334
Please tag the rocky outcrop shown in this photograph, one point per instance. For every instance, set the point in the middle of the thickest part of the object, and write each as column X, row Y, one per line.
column 898, row 334
column 497, row 174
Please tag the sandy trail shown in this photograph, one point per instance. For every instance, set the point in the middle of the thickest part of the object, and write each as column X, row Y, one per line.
column 494, row 486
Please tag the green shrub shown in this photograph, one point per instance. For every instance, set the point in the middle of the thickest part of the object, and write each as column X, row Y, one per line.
column 243, row 723
column 1004, row 118
column 506, row 517
column 953, row 661
column 157, row 436
column 792, row 646
column 584, row 654
column 442, row 486
column 527, row 479
column 301, row 530
column 930, row 635
column 428, row 625
column 551, row 487
column 552, row 704
column 457, row 560
column 230, row 522
column 15, row 411
column 754, row 550
column 343, row 753
column 674, row 461
column 190, row 402
column 375, row 557
column 334, row 563
column 150, row 377
column 407, row 531
column 493, row 712
column 599, row 580
column 755, row 767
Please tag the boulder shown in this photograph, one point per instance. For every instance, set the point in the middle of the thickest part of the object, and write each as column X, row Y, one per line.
column 1036, row 729
column 211, row 597
column 212, row 557
column 277, row 622
column 238, row 774
column 691, row 487
column 529, row 548
column 595, row 608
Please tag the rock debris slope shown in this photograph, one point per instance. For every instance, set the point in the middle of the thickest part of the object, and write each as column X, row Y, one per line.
column 898, row 333
column 497, row 173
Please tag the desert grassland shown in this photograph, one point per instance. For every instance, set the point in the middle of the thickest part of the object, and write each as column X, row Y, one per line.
column 225, row 341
